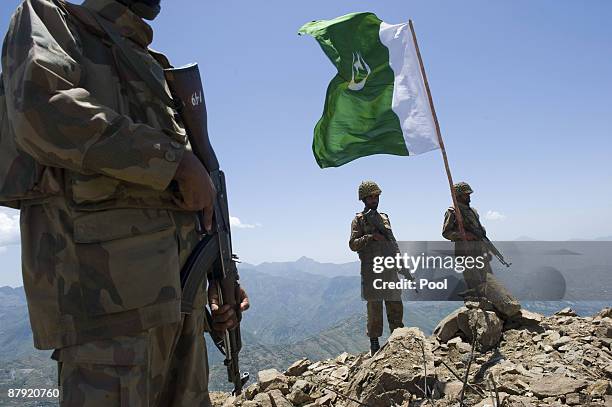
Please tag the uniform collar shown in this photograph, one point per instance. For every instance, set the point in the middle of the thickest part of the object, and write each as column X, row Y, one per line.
column 128, row 24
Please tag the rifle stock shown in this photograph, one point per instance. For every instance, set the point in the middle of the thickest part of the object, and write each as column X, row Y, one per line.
column 214, row 253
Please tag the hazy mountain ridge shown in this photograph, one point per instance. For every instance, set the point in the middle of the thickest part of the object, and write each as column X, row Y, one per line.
column 294, row 314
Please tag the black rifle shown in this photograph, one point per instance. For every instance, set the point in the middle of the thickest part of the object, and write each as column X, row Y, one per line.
column 491, row 248
column 478, row 231
column 213, row 254
column 375, row 219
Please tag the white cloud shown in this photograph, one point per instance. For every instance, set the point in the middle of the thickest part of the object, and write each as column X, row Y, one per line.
column 494, row 215
column 237, row 223
column 9, row 227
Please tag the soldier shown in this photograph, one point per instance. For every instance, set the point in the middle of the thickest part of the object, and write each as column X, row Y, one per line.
column 117, row 189
column 367, row 240
column 480, row 282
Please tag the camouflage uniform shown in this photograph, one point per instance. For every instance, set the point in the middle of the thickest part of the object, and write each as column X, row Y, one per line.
column 103, row 248
column 481, row 281
column 362, row 242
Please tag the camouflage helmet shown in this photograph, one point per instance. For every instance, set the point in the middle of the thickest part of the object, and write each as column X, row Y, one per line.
column 463, row 188
column 367, row 188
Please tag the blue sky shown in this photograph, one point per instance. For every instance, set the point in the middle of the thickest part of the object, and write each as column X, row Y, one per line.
column 522, row 90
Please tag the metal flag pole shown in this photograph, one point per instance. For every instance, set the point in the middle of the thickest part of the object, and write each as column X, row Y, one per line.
column 458, row 214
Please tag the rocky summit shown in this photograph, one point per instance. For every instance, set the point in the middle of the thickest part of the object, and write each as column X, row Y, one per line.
column 472, row 359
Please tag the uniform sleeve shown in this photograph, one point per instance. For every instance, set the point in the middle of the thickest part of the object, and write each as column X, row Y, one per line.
column 450, row 230
column 358, row 240
column 58, row 122
column 387, row 219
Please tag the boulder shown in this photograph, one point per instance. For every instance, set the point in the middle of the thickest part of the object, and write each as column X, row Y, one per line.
column 555, row 385
column 399, row 372
column 485, row 324
column 298, row 397
column 298, row 367
column 251, row 391
column 263, row 400
column 527, row 318
column 343, row 357
column 272, row 379
column 447, row 328
column 278, row 399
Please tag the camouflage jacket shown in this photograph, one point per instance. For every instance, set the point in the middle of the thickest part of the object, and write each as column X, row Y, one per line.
column 83, row 114
column 102, row 252
column 471, row 223
column 362, row 239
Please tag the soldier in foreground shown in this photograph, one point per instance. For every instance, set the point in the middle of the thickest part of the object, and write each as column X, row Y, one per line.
column 480, row 282
column 109, row 217
column 370, row 241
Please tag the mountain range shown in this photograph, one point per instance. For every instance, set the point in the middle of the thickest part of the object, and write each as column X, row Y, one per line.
column 299, row 309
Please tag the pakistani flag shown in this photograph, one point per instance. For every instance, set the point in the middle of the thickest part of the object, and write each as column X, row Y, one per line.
column 378, row 102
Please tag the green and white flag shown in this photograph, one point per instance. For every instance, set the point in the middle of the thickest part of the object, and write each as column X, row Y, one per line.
column 378, row 102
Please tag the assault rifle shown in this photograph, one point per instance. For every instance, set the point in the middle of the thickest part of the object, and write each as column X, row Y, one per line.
column 479, row 232
column 373, row 218
column 493, row 250
column 213, row 252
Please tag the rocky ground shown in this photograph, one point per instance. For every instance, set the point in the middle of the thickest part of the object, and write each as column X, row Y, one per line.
column 562, row 360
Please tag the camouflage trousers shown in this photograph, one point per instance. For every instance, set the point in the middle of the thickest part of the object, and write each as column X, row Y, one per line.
column 395, row 314
column 163, row 366
column 485, row 285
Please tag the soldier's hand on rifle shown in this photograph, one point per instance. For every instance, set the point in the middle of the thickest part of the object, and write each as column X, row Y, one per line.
column 224, row 317
column 196, row 187
column 378, row 237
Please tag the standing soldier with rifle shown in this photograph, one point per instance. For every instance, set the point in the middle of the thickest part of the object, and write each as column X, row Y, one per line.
column 371, row 236
column 122, row 225
column 480, row 282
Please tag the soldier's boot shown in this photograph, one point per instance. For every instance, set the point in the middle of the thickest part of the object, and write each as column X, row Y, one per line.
column 374, row 346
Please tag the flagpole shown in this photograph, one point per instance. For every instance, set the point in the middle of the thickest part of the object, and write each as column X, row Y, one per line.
column 458, row 214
